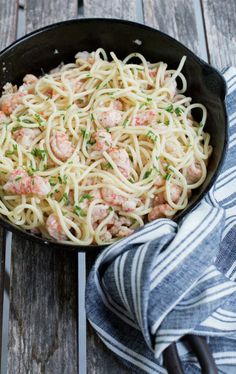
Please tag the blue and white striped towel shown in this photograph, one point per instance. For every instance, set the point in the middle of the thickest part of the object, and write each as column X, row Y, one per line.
column 168, row 280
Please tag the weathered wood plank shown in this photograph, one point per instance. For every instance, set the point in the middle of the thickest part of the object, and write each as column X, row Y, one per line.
column 176, row 18
column 106, row 8
column 44, row 12
column 220, row 22
column 100, row 359
column 8, row 19
column 43, row 297
column 42, row 331
column 8, row 16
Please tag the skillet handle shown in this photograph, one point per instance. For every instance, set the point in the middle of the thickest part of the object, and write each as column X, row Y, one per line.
column 201, row 349
column 203, row 353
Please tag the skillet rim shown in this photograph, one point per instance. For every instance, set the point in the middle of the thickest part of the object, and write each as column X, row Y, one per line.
column 91, row 248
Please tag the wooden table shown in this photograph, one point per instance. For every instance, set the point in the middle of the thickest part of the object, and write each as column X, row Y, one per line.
column 40, row 316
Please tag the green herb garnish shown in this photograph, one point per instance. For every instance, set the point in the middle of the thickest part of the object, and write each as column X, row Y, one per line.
column 86, row 196
column 78, row 211
column 151, row 136
column 40, row 153
column 65, row 198
column 147, row 174
column 170, row 108
column 178, row 111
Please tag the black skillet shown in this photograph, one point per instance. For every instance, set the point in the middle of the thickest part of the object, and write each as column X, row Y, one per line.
column 46, row 48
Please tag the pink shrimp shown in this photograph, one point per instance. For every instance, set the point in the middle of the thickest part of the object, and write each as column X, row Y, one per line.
column 9, row 103
column 3, row 117
column 193, row 173
column 124, row 231
column 121, row 159
column 99, row 213
column 103, row 140
column 106, row 236
column 117, row 223
column 112, row 198
column 30, row 79
column 160, row 211
column 159, row 181
column 25, row 136
column 85, row 56
column 117, row 104
column 110, row 118
column 153, row 73
column 54, row 228
column 61, row 145
column 144, row 118
column 20, row 183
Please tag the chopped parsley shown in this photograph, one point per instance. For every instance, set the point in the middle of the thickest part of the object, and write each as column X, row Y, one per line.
column 125, row 122
column 151, row 136
column 39, row 119
column 110, row 209
column 62, row 180
column 52, row 181
column 149, row 99
column 170, row 108
column 166, row 122
column 65, row 198
column 178, row 111
column 167, row 176
column 147, row 174
column 15, row 147
column 78, row 211
column 40, row 153
column 91, row 141
column 92, row 117
column 142, row 105
column 85, row 134
column 16, row 128
column 17, row 179
column 26, row 120
column 108, row 166
column 86, row 196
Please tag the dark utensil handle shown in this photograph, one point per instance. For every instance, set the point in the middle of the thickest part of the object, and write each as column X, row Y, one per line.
column 171, row 360
column 201, row 349
column 203, row 353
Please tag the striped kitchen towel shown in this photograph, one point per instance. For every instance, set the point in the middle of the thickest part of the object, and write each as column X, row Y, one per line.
column 168, row 280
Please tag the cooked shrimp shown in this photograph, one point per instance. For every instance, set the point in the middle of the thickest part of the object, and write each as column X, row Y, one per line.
column 84, row 56
column 20, row 183
column 9, row 103
column 25, row 136
column 117, row 104
column 112, row 198
column 106, row 236
column 124, row 231
column 54, row 228
column 3, row 117
column 144, row 118
column 121, row 159
column 99, row 213
column 193, row 173
column 110, row 118
column 117, row 223
column 103, row 140
column 159, row 181
column 61, row 145
column 30, row 79
column 175, row 192
column 39, row 186
column 160, row 211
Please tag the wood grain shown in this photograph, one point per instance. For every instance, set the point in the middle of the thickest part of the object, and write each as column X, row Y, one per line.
column 44, row 12
column 107, row 8
column 42, row 331
column 8, row 18
column 43, row 294
column 220, row 22
column 176, row 18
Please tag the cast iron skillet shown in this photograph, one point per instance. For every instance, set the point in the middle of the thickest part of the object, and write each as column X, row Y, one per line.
column 46, row 48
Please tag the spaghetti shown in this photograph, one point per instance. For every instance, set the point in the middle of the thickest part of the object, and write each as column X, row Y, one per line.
column 94, row 148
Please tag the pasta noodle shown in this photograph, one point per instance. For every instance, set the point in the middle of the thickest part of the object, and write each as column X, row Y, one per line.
column 93, row 149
